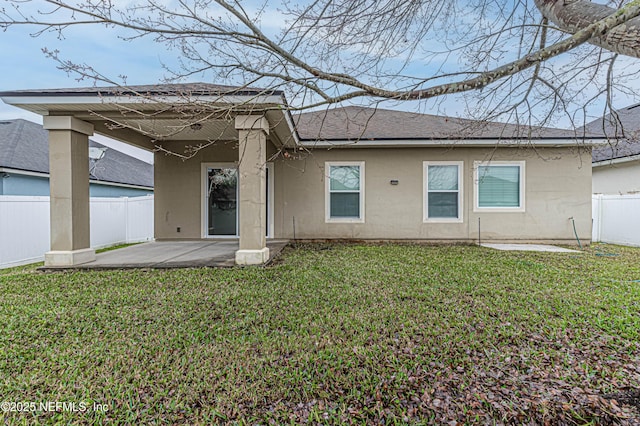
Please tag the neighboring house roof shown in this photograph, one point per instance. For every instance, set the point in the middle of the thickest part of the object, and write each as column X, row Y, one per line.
column 623, row 134
column 24, row 146
column 360, row 123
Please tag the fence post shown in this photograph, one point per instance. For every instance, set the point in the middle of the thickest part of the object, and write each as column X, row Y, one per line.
column 600, row 216
column 596, row 219
column 127, row 236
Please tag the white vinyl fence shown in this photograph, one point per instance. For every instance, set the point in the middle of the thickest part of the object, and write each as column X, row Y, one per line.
column 616, row 219
column 24, row 225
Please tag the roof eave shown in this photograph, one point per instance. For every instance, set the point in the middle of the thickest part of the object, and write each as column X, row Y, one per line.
column 611, row 161
column 399, row 143
column 106, row 91
column 23, row 100
column 121, row 184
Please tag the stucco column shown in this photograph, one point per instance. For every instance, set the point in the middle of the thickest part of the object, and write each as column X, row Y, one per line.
column 69, row 191
column 252, row 146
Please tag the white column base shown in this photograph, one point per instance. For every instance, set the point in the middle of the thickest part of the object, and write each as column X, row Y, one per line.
column 69, row 258
column 252, row 257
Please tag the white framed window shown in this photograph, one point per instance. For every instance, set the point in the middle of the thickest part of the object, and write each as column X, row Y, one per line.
column 344, row 192
column 442, row 182
column 499, row 186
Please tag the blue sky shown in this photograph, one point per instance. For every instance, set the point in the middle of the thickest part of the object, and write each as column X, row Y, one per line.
column 25, row 66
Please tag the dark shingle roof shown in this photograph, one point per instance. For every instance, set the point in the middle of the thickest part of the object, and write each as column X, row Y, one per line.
column 623, row 134
column 186, row 89
column 24, row 146
column 354, row 123
column 119, row 167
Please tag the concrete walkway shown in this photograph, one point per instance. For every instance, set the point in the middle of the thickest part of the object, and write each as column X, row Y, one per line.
column 529, row 247
column 172, row 254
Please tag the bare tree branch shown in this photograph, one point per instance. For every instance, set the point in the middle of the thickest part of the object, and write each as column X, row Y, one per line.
column 575, row 15
column 496, row 53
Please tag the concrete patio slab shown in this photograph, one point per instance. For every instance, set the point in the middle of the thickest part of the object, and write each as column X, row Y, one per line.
column 171, row 254
column 529, row 247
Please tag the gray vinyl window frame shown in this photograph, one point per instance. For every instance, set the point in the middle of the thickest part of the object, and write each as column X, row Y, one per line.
column 328, row 191
column 476, row 204
column 425, row 193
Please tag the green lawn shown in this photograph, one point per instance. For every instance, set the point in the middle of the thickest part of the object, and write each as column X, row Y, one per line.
column 332, row 334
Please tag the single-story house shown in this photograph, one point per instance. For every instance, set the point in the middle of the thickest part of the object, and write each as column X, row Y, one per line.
column 616, row 164
column 345, row 173
column 24, row 165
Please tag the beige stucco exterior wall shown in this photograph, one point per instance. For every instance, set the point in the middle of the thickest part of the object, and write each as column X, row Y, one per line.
column 620, row 178
column 178, row 188
column 557, row 187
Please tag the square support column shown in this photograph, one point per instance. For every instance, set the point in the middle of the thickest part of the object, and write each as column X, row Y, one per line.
column 253, row 131
column 69, row 191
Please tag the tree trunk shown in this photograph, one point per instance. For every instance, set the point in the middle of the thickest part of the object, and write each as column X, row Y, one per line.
column 573, row 15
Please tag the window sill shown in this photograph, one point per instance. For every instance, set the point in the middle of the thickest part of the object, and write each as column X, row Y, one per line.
column 443, row 220
column 345, row 220
column 499, row 210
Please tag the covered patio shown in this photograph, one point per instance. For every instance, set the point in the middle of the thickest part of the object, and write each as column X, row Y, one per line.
column 212, row 148
column 171, row 254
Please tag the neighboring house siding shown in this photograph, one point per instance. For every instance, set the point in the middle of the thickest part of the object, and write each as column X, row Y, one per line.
column 620, row 178
column 16, row 184
column 99, row 190
column 557, row 187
